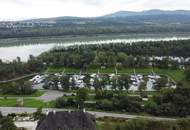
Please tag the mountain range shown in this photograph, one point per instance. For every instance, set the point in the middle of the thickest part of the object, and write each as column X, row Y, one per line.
column 148, row 12
column 122, row 14
column 122, row 22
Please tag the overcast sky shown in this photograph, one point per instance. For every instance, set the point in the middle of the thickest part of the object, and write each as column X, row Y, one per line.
column 22, row 9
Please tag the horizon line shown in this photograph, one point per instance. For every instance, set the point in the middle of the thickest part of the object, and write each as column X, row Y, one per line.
column 35, row 18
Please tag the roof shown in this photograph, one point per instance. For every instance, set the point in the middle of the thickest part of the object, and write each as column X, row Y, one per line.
column 67, row 121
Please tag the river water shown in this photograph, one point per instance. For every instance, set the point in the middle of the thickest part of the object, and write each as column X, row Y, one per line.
column 10, row 53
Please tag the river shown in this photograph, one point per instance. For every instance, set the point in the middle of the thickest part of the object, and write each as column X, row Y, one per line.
column 9, row 53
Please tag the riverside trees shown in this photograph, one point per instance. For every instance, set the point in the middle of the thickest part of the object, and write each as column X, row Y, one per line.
column 141, row 54
column 16, row 68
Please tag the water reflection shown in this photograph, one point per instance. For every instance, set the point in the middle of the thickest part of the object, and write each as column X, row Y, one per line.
column 23, row 51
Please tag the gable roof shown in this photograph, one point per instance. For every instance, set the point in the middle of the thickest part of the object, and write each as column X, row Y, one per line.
column 76, row 120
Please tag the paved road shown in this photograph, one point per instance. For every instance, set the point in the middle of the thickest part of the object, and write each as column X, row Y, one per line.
column 50, row 95
column 7, row 110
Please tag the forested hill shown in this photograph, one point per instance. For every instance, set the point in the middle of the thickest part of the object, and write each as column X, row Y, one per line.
column 123, row 22
column 148, row 12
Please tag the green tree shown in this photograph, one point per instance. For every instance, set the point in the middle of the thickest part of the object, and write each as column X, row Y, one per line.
column 187, row 73
column 123, row 82
column 38, row 114
column 55, row 81
column 121, row 57
column 65, row 83
column 81, row 97
column 142, row 88
column 7, row 123
column 161, row 83
column 97, row 83
column 27, row 88
column 99, row 93
column 87, row 80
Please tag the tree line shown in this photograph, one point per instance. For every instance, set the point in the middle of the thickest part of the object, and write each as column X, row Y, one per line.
column 16, row 68
column 127, row 55
column 143, row 124
column 118, row 54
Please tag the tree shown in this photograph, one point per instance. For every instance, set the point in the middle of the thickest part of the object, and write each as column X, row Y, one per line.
column 55, row 81
column 1, row 115
column 151, row 107
column 172, row 102
column 105, row 104
column 15, row 88
column 72, row 83
column 114, row 82
column 130, row 62
column 97, row 83
column 65, row 83
column 175, row 65
column 121, row 57
column 161, row 83
column 123, row 82
column 38, row 114
column 60, row 102
column 125, row 103
column 99, row 93
column 7, row 123
column 87, row 80
column 81, row 97
column 27, row 88
column 187, row 73
column 142, row 88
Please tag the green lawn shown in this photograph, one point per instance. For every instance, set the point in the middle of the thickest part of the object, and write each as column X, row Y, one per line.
column 27, row 103
column 109, row 125
column 36, row 94
column 90, row 97
column 176, row 74
column 7, row 102
column 61, row 69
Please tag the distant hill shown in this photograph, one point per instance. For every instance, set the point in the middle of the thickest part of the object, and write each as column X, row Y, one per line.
column 148, row 12
column 122, row 22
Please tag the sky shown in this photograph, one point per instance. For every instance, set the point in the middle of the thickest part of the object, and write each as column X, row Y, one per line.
column 25, row 9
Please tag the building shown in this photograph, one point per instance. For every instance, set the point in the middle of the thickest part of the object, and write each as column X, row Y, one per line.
column 76, row 120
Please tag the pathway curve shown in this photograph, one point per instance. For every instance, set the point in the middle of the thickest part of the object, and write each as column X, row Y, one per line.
column 7, row 110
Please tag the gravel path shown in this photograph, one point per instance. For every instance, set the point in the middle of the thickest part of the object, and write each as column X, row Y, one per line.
column 50, row 95
column 7, row 110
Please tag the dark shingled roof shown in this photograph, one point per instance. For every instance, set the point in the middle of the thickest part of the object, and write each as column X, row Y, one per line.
column 76, row 120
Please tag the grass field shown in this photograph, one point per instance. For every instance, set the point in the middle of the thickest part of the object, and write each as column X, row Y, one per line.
column 176, row 74
column 27, row 103
column 36, row 94
column 108, row 125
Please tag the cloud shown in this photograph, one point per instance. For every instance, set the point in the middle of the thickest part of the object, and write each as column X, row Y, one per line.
column 15, row 9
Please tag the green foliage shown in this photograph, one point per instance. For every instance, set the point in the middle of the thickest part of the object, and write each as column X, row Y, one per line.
column 187, row 73
column 145, row 124
column 7, row 123
column 161, row 83
column 171, row 102
column 16, row 68
column 65, row 82
column 64, row 103
column 127, row 55
column 18, row 88
column 123, row 82
column 38, row 114
column 81, row 97
column 119, row 103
